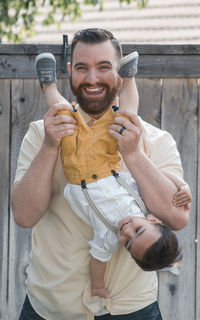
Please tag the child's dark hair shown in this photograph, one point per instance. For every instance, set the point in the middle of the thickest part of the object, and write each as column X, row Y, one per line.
column 93, row 36
column 162, row 253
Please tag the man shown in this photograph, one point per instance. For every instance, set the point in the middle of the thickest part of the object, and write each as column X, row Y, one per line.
column 59, row 265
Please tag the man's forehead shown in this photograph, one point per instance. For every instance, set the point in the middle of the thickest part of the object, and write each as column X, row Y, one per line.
column 96, row 52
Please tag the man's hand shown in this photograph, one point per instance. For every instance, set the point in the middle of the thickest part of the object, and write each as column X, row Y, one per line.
column 129, row 138
column 57, row 126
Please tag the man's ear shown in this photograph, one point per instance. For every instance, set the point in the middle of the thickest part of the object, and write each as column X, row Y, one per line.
column 69, row 68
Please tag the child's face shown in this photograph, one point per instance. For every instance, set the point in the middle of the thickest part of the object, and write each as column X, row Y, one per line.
column 137, row 234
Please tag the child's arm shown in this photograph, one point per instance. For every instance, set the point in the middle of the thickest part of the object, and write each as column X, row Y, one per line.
column 97, row 269
column 183, row 196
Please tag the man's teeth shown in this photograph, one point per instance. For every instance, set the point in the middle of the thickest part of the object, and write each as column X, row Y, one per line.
column 94, row 89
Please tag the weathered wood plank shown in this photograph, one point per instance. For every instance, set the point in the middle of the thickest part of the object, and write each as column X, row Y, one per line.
column 150, row 92
column 179, row 117
column 19, row 66
column 4, row 191
column 149, row 49
column 197, row 240
column 28, row 105
column 34, row 49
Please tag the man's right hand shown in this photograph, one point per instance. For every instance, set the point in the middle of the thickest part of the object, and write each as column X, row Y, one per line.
column 57, row 126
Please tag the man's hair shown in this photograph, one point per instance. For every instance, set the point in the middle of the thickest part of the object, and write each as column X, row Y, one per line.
column 163, row 253
column 94, row 36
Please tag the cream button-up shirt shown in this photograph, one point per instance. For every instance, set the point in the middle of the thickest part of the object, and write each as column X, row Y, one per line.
column 59, row 260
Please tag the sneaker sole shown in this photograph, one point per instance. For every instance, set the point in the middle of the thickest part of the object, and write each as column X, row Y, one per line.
column 45, row 55
column 129, row 57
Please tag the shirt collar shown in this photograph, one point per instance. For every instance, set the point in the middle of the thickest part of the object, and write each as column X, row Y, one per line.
column 84, row 115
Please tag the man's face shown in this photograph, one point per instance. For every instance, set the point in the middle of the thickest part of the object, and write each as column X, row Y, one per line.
column 93, row 76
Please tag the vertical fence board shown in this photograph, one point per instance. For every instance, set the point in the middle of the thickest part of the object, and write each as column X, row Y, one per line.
column 198, row 224
column 150, row 93
column 4, row 191
column 179, row 117
column 27, row 105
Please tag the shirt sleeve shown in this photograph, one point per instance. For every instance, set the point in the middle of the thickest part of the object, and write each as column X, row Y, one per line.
column 161, row 148
column 101, row 248
column 29, row 148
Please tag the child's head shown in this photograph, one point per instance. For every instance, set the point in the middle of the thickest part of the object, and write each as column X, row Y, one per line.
column 152, row 245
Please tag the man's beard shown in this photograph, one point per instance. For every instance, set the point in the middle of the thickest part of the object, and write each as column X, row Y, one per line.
column 98, row 105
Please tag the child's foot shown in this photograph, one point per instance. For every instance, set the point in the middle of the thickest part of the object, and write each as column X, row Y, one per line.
column 128, row 65
column 45, row 64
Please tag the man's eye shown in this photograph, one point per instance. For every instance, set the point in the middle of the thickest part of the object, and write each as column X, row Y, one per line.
column 104, row 67
column 137, row 229
column 81, row 68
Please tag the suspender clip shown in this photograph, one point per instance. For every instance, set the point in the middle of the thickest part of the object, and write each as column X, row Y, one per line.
column 83, row 184
column 115, row 174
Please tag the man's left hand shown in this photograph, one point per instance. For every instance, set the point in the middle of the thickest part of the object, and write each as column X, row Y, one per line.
column 127, row 132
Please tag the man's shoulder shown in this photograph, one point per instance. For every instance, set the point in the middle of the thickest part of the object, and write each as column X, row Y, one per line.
column 157, row 137
column 37, row 127
column 153, row 131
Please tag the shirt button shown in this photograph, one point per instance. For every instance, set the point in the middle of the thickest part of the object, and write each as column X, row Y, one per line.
column 94, row 176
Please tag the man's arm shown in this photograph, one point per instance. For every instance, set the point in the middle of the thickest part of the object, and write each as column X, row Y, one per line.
column 31, row 195
column 156, row 189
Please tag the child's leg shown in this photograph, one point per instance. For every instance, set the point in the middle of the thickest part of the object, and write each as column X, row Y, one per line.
column 46, row 71
column 128, row 98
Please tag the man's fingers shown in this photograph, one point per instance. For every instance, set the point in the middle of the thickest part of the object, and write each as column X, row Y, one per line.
column 55, row 108
column 65, row 127
column 133, row 118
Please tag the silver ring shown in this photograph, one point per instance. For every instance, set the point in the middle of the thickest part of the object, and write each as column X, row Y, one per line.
column 121, row 130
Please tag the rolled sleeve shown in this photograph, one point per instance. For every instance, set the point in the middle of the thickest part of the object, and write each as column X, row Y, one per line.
column 29, row 148
column 161, row 148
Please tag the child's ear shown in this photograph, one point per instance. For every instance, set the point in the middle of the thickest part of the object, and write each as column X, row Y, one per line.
column 153, row 219
column 69, row 68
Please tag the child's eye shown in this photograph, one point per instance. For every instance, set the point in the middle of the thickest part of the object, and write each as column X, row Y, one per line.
column 137, row 229
column 127, row 245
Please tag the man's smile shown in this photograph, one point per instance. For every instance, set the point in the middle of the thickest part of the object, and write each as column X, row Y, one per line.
column 94, row 91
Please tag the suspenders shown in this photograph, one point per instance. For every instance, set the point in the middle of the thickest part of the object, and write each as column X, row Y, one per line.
column 123, row 183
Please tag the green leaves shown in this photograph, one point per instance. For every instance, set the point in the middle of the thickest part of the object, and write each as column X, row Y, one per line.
column 17, row 17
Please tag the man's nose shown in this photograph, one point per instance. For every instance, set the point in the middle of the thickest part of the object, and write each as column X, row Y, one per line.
column 92, row 76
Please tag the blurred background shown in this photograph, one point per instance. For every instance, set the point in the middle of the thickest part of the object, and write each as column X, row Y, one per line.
column 136, row 21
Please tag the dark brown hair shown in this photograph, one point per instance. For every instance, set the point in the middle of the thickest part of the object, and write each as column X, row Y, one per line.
column 95, row 35
column 162, row 253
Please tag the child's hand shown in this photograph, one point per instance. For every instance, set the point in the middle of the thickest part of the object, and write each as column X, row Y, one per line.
column 183, row 197
column 100, row 292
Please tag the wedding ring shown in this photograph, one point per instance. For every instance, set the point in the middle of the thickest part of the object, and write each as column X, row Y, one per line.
column 121, row 130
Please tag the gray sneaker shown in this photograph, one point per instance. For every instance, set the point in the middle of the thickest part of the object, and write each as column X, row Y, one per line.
column 45, row 64
column 128, row 65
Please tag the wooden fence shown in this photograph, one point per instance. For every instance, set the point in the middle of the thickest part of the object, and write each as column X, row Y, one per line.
column 168, row 86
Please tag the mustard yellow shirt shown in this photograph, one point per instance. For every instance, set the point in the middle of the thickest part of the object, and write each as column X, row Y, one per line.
column 91, row 152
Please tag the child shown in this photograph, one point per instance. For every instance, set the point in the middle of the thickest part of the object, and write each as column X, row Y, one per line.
column 107, row 196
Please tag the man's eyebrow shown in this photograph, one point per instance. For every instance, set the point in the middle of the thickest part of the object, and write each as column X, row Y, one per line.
column 105, row 62
column 80, row 64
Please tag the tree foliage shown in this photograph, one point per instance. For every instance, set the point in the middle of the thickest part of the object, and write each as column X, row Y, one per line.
column 17, row 18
